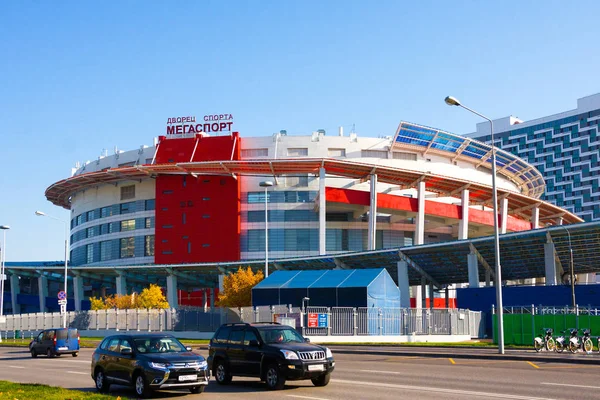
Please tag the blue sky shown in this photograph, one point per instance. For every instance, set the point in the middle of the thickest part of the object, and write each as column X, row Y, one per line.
column 78, row 77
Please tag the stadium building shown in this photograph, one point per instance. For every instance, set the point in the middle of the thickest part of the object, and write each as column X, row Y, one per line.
column 564, row 147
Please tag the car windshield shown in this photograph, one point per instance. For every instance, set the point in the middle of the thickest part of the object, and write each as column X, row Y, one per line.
column 283, row 335
column 159, row 345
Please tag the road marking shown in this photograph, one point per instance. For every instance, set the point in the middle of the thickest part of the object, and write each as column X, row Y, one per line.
column 77, row 372
column 380, row 372
column 439, row 390
column 306, row 397
column 452, row 361
column 16, row 366
column 566, row 384
column 533, row 365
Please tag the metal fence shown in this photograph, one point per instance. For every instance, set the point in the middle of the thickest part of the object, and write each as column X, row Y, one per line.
column 313, row 321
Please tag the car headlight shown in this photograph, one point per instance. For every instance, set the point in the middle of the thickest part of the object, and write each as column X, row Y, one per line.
column 328, row 353
column 162, row 366
column 289, row 355
column 202, row 365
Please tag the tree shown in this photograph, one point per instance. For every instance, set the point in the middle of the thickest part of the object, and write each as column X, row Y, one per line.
column 151, row 297
column 237, row 288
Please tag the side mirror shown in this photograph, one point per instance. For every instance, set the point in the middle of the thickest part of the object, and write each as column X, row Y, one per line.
column 188, row 348
column 307, row 340
column 253, row 343
column 126, row 352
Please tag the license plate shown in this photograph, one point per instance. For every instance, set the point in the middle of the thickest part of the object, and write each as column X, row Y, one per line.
column 183, row 378
column 63, row 348
column 318, row 367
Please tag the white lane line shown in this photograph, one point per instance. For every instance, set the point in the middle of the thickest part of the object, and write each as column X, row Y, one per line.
column 77, row 372
column 440, row 390
column 16, row 366
column 306, row 397
column 566, row 384
column 380, row 372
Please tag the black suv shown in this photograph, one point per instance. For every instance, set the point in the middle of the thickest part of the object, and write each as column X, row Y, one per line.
column 148, row 362
column 272, row 352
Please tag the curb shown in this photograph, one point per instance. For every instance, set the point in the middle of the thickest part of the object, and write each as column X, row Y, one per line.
column 592, row 359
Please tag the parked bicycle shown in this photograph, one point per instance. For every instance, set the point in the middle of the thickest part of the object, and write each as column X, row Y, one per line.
column 546, row 342
column 562, row 343
column 584, row 342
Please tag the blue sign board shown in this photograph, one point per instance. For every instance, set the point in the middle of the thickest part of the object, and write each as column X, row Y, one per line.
column 323, row 320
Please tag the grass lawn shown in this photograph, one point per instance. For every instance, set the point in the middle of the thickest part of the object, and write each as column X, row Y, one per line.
column 28, row 391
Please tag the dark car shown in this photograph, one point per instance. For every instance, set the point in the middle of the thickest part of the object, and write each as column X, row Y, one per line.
column 55, row 342
column 148, row 362
column 272, row 352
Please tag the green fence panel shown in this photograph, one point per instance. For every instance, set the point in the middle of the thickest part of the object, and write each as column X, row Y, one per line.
column 521, row 329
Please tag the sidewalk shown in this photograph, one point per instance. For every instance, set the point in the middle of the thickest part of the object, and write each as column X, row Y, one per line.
column 472, row 353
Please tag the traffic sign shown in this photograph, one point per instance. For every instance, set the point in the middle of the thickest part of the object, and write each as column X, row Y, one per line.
column 62, row 301
column 62, row 295
column 63, row 308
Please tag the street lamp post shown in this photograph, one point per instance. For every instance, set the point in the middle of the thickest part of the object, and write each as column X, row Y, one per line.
column 266, row 185
column 43, row 214
column 571, row 267
column 451, row 101
column 2, row 273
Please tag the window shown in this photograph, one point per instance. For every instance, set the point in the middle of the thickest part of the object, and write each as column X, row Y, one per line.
column 128, row 192
column 150, row 204
column 113, row 345
column 296, row 181
column 223, row 334
column 297, row 152
column 336, row 152
column 236, row 337
column 90, row 232
column 253, row 153
column 183, row 220
column 374, row 153
column 106, row 212
column 128, row 225
column 398, row 155
column 105, row 250
column 149, row 246
column 250, row 335
column 127, row 247
column 127, row 208
column 149, row 223
column 189, row 247
column 90, row 215
column 89, row 253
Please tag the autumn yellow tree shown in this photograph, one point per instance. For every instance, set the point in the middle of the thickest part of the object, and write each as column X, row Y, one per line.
column 237, row 288
column 151, row 297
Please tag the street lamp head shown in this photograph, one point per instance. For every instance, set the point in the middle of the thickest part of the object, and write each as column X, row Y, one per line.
column 4, row 227
column 452, row 101
column 40, row 213
column 306, row 298
column 266, row 184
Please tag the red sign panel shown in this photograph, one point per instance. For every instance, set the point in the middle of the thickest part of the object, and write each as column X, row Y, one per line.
column 313, row 320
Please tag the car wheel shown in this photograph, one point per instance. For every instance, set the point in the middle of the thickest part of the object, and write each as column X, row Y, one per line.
column 49, row 353
column 274, row 379
column 141, row 386
column 197, row 389
column 322, row 380
column 33, row 353
column 222, row 374
column 101, row 384
column 74, row 354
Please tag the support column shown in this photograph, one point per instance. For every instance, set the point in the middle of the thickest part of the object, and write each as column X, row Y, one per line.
column 447, row 296
column 121, row 284
column 416, row 291
column 221, row 280
column 504, row 214
column 212, row 299
column 488, row 277
column 15, row 290
column 423, row 293
column 550, row 264
column 373, row 214
column 535, row 218
column 403, row 284
column 205, row 299
column 77, row 291
column 463, row 224
column 43, row 292
column 420, row 222
column 431, row 296
column 172, row 291
column 322, row 213
column 473, row 270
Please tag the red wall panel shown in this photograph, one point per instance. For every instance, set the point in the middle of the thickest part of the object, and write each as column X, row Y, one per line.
column 197, row 218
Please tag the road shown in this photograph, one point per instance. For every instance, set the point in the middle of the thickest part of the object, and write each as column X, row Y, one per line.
column 357, row 376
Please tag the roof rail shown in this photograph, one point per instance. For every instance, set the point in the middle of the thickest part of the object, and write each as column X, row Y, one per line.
column 268, row 322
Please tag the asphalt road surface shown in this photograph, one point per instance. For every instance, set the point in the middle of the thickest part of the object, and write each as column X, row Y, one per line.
column 357, row 376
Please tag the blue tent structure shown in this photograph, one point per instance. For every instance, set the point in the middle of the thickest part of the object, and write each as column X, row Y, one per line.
column 329, row 288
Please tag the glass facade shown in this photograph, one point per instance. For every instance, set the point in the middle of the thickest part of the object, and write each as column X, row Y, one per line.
column 566, row 151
